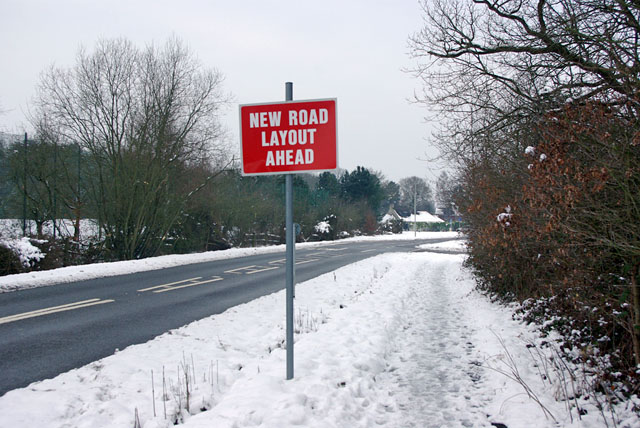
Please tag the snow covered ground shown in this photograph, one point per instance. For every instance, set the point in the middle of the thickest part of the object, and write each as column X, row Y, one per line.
column 448, row 246
column 397, row 340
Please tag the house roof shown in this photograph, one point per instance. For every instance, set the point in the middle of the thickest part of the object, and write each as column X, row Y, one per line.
column 423, row 217
column 391, row 215
column 387, row 218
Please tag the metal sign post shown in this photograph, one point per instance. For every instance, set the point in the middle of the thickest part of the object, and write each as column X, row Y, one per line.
column 288, row 138
column 290, row 241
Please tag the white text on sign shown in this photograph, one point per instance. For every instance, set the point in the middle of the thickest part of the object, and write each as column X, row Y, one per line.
column 291, row 137
column 300, row 117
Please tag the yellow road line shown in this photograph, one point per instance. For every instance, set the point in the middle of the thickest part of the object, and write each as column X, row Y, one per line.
column 54, row 309
column 240, row 269
column 169, row 284
column 214, row 279
column 251, row 272
column 306, row 261
column 301, row 262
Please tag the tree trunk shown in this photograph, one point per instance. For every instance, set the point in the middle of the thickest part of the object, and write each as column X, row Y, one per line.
column 76, row 226
column 635, row 312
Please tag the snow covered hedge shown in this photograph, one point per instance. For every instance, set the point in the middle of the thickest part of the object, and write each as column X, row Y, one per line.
column 17, row 255
column 326, row 229
column 553, row 228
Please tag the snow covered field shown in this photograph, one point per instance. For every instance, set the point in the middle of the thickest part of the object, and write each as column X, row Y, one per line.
column 12, row 228
column 397, row 340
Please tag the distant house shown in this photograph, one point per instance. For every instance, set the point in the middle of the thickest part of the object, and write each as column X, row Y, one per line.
column 391, row 222
column 450, row 215
column 422, row 220
column 391, row 215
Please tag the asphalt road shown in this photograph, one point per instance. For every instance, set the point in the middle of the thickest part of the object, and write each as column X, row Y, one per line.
column 47, row 331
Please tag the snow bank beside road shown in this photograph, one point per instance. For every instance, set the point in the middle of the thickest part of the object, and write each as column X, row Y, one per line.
column 457, row 246
column 398, row 340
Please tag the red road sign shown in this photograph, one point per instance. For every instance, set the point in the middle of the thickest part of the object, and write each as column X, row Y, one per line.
column 294, row 136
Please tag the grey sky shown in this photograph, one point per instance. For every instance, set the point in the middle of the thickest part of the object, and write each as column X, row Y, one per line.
column 352, row 50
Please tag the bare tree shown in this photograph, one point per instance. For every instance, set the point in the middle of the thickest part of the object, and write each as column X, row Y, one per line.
column 34, row 175
column 415, row 188
column 445, row 195
column 486, row 64
column 144, row 116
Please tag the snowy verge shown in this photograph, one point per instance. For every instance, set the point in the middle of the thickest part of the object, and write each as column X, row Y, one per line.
column 458, row 246
column 100, row 270
column 397, row 340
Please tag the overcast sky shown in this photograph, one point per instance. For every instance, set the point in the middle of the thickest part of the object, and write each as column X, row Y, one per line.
column 352, row 50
